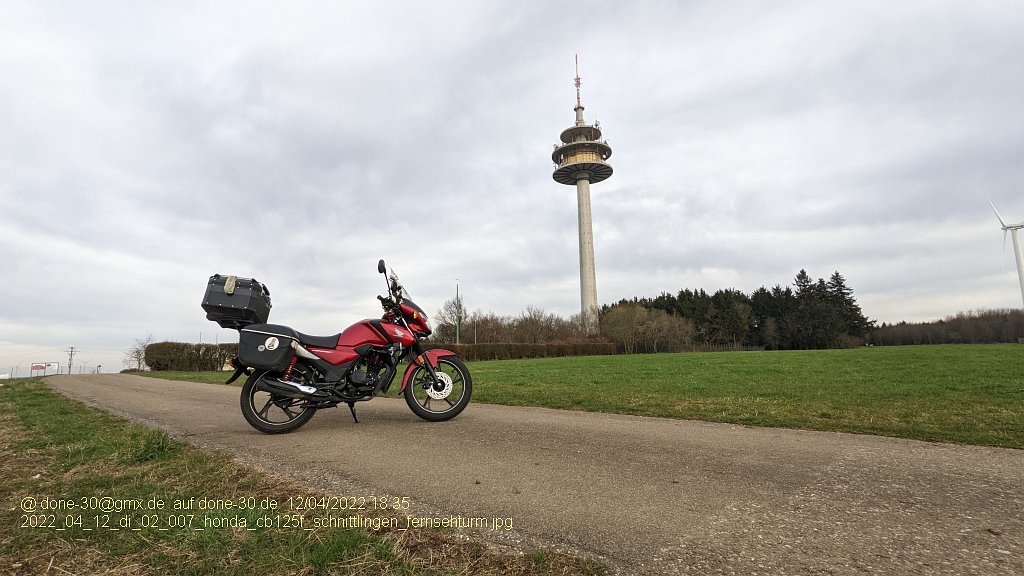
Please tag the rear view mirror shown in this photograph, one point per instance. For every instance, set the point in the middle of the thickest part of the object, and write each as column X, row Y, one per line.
column 380, row 267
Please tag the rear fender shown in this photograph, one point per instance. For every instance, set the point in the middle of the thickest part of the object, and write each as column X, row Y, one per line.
column 417, row 362
column 239, row 370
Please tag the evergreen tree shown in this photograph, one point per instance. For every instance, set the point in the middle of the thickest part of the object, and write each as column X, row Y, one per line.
column 810, row 314
column 853, row 321
column 729, row 317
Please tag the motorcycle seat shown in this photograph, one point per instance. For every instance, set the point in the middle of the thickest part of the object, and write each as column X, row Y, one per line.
column 319, row 341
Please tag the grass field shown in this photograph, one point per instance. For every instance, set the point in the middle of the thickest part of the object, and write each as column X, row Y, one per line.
column 962, row 394
column 56, row 451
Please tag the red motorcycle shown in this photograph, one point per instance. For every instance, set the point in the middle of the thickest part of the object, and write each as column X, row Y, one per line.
column 291, row 375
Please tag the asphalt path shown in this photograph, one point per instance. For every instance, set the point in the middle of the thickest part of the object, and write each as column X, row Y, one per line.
column 645, row 495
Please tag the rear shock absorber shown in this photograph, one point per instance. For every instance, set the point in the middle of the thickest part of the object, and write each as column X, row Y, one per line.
column 291, row 366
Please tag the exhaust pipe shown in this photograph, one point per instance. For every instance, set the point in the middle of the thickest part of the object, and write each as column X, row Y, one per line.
column 291, row 389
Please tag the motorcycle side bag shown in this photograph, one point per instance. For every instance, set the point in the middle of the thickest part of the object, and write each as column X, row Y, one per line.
column 235, row 302
column 266, row 346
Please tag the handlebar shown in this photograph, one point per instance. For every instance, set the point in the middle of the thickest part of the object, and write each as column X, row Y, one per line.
column 389, row 303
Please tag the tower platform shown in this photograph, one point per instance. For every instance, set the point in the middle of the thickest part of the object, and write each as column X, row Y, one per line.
column 582, row 154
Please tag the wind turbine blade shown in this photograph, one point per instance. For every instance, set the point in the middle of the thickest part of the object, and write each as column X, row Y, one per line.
column 1000, row 218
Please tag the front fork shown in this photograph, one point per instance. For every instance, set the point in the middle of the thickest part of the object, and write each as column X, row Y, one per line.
column 426, row 359
column 418, row 349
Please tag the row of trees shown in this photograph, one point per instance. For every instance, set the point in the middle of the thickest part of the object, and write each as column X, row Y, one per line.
column 811, row 314
column 532, row 326
column 641, row 329
column 975, row 327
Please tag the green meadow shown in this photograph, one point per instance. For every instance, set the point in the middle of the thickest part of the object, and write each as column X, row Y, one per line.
column 961, row 394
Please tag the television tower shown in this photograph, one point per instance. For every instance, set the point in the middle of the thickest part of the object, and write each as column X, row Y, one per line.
column 580, row 160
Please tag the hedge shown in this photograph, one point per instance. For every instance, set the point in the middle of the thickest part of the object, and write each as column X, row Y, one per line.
column 471, row 352
column 179, row 356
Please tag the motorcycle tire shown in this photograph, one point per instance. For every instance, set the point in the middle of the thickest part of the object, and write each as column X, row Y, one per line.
column 444, row 399
column 272, row 413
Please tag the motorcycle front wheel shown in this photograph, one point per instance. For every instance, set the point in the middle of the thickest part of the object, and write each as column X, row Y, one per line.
column 272, row 413
column 441, row 399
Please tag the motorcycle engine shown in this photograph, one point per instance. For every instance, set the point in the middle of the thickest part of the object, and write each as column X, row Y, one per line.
column 371, row 374
column 362, row 380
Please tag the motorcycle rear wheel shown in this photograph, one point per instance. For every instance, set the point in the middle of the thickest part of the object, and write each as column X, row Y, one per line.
column 272, row 413
column 444, row 399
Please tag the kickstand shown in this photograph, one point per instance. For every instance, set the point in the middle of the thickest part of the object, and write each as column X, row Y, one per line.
column 352, row 407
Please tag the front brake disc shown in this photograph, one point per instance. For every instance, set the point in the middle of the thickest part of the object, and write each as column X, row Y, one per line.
column 446, row 388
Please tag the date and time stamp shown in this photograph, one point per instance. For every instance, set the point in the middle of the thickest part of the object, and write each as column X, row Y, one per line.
column 87, row 514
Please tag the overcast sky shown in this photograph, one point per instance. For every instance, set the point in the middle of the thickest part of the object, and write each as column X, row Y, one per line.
column 145, row 146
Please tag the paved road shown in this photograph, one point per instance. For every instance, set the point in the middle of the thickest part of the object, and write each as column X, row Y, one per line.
column 647, row 495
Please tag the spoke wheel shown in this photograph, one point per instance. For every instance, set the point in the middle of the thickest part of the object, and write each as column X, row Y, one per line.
column 443, row 398
column 272, row 413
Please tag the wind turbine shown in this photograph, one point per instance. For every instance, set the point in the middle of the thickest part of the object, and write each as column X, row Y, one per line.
column 1012, row 229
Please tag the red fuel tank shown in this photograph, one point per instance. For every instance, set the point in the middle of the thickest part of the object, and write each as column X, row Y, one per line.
column 372, row 332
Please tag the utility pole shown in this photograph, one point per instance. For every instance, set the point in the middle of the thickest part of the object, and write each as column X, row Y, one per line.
column 71, row 357
column 458, row 312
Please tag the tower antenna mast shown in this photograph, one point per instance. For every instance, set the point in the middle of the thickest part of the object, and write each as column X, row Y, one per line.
column 578, row 102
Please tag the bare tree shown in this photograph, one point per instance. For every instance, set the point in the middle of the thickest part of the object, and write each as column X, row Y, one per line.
column 535, row 326
column 682, row 332
column 623, row 324
column 135, row 357
column 657, row 331
column 451, row 314
column 487, row 328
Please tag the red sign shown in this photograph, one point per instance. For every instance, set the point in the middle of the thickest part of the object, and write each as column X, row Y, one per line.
column 38, row 367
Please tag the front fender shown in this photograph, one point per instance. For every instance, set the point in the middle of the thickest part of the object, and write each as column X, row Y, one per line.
column 417, row 362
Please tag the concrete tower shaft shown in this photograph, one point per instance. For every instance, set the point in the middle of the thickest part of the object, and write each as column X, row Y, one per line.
column 581, row 159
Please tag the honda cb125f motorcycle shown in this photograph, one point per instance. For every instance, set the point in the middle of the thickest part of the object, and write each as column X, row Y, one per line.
column 291, row 375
